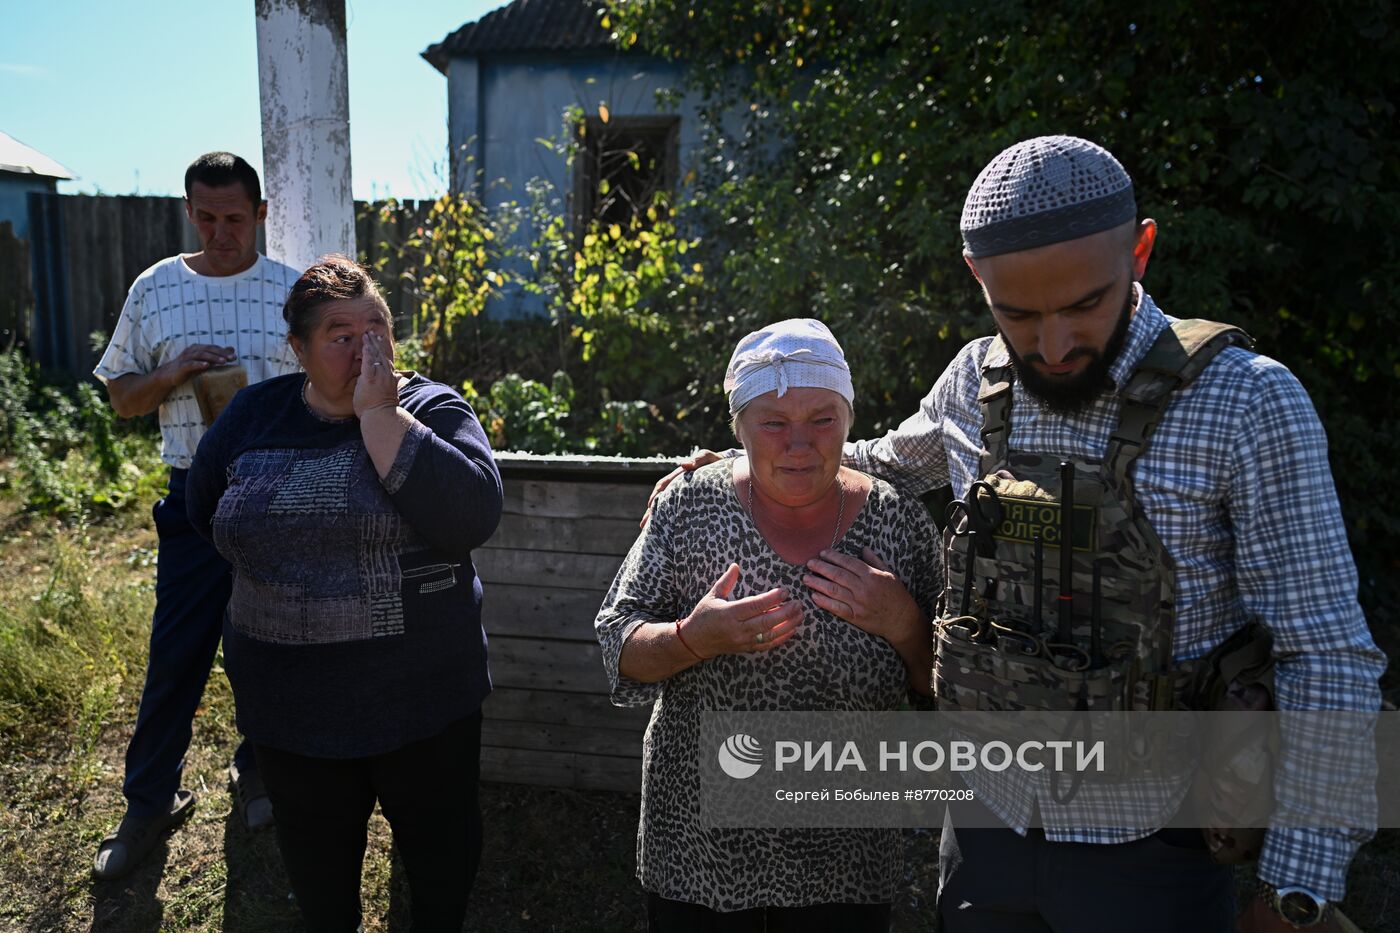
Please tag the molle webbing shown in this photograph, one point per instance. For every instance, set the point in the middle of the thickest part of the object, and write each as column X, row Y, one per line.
column 1180, row 353
column 995, row 399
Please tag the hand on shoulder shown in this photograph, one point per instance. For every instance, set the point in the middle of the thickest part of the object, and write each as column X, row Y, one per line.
column 694, row 461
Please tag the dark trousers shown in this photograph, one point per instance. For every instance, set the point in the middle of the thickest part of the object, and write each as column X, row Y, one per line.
column 428, row 792
column 995, row 881
column 193, row 584
column 665, row 916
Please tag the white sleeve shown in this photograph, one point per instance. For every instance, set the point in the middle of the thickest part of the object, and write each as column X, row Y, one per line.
column 129, row 350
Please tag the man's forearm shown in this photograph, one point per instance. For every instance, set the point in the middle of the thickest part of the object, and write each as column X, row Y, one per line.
column 137, row 394
column 911, row 468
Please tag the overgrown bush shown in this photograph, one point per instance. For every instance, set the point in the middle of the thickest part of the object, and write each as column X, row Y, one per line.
column 623, row 294
column 455, row 265
column 622, row 299
column 620, row 302
column 69, row 456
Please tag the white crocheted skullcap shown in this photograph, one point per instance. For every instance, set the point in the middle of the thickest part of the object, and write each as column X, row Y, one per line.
column 1042, row 191
column 799, row 353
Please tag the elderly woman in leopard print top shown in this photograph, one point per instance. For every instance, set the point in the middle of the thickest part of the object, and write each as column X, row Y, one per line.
column 778, row 580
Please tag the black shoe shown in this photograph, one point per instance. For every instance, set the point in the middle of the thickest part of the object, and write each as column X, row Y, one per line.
column 123, row 850
column 250, row 795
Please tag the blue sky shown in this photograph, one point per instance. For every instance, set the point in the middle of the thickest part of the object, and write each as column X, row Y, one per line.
column 126, row 93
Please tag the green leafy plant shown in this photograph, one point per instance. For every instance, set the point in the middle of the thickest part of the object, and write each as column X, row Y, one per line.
column 522, row 414
column 69, row 457
column 632, row 429
column 454, row 261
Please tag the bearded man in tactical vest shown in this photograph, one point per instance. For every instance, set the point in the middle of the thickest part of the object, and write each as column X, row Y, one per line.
column 1196, row 456
column 1192, row 477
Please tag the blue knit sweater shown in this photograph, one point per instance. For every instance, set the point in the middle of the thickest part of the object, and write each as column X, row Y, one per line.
column 355, row 622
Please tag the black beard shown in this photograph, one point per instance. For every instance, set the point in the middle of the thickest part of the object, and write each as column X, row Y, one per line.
column 1069, row 395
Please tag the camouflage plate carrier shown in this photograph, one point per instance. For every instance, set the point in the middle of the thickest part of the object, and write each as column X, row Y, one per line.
column 998, row 655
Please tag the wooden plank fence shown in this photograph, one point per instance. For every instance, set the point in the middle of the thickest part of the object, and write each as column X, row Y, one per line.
column 16, row 298
column 379, row 240
column 87, row 249
column 567, row 523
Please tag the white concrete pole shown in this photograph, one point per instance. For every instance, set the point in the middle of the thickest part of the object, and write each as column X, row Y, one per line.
column 305, row 129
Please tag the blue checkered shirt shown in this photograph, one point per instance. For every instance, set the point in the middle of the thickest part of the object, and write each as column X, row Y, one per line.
column 1237, row 485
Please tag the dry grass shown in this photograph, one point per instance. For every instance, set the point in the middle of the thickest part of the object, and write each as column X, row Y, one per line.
column 555, row 860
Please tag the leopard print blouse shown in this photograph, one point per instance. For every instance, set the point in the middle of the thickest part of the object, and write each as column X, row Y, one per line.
column 697, row 528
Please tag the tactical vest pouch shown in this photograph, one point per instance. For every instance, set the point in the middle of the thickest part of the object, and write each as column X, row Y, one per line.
column 1006, row 670
column 972, row 678
column 1234, row 783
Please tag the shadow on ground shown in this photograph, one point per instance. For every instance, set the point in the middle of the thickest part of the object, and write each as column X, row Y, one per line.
column 130, row 903
column 257, row 895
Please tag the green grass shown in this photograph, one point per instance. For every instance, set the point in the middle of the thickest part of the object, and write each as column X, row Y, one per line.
column 65, row 644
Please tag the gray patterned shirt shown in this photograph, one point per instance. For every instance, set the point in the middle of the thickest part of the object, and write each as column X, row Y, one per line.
column 170, row 307
column 1237, row 485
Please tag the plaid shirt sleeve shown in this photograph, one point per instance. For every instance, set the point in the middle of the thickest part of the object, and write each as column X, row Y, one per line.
column 913, row 457
column 1295, row 573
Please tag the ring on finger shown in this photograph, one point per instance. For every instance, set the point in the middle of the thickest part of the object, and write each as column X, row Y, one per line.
column 760, row 638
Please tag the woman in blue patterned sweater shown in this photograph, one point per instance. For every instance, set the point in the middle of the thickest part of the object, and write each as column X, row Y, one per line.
column 348, row 500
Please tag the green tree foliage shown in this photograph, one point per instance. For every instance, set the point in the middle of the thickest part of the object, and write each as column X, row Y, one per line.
column 1262, row 137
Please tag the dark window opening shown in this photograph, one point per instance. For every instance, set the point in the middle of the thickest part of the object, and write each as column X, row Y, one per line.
column 622, row 165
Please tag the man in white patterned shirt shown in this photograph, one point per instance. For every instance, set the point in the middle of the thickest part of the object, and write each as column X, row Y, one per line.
column 183, row 316
column 1236, row 485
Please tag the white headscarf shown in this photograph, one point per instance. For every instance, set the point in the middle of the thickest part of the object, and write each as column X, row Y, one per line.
column 791, row 354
